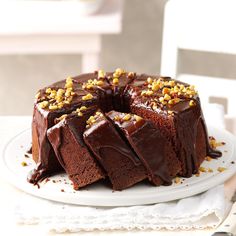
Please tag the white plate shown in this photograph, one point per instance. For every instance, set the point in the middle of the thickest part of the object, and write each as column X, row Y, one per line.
column 59, row 188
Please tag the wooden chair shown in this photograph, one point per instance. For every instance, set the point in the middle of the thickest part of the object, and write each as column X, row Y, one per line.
column 202, row 25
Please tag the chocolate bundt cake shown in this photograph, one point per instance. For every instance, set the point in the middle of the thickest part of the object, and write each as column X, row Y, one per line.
column 160, row 132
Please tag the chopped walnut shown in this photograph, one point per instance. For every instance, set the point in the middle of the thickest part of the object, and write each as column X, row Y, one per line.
column 177, row 180
column 197, row 174
column 89, row 96
column 209, row 170
column 208, row 158
column 115, row 81
column 221, row 169
column 23, row 163
column 202, row 169
column 137, row 118
column 43, row 104
column 53, row 107
column 69, row 83
column 127, row 117
column 192, row 103
column 101, row 74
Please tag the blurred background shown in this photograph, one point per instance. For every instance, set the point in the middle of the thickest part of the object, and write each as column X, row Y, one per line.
column 128, row 34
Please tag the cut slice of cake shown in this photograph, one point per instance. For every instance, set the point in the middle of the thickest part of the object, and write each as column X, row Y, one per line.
column 121, row 164
column 66, row 138
column 153, row 149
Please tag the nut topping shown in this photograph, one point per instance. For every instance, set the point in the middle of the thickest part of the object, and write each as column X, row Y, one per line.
column 155, row 87
column 53, row 107
column 100, row 83
column 192, row 103
column 118, row 72
column 202, row 169
column 43, row 104
column 61, row 118
column 115, row 81
column 101, row 74
column 83, row 108
column 117, row 118
column 80, row 110
column 131, row 74
column 137, row 118
column 48, row 90
column 91, row 83
column 177, row 180
column 165, row 90
column 221, row 169
column 167, row 97
column 89, row 96
column 69, row 83
column 92, row 119
column 127, row 117
column 147, row 93
column 161, row 99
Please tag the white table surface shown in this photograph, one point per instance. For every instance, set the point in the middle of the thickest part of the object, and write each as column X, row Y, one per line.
column 11, row 125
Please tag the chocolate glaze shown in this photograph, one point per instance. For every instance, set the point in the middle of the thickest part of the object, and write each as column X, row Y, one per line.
column 75, row 157
column 75, row 123
column 110, row 140
column 42, row 151
column 55, row 136
column 107, row 146
column 151, row 147
column 214, row 153
column 187, row 124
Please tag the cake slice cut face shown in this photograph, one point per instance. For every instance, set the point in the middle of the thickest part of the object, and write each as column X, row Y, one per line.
column 66, row 138
column 153, row 149
column 122, row 166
